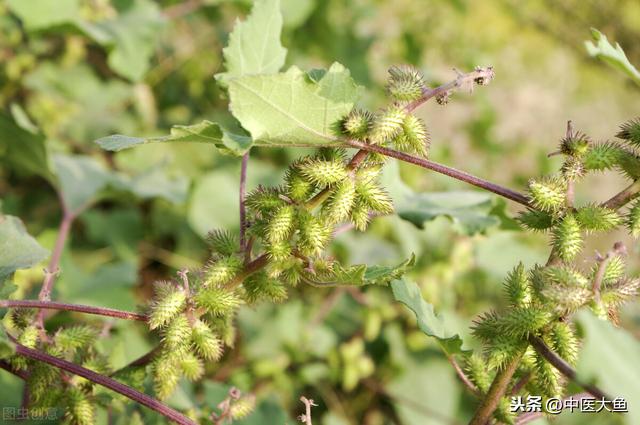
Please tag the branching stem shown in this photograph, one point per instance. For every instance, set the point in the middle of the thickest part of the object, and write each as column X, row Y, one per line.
column 496, row 392
column 51, row 305
column 107, row 382
column 448, row 171
column 564, row 367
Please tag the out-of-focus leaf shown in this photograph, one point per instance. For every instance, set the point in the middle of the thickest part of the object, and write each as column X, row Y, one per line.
column 471, row 212
column 614, row 56
column 74, row 101
column 296, row 12
column 214, row 199
column 267, row 412
column 291, row 109
column 156, row 183
column 81, row 179
column 254, row 45
column 7, row 347
column 609, row 356
column 203, row 132
column 427, row 393
column 22, row 150
column 130, row 37
column 408, row 293
column 40, row 14
column 105, row 286
column 18, row 249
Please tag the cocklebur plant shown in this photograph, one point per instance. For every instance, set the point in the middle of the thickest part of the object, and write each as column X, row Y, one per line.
column 285, row 235
column 542, row 300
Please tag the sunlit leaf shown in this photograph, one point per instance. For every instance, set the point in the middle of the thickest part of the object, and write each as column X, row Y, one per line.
column 254, row 45
column 40, row 14
column 291, row 109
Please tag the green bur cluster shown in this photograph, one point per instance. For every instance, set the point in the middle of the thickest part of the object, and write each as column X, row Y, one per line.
column 292, row 225
column 553, row 209
column 49, row 387
column 542, row 300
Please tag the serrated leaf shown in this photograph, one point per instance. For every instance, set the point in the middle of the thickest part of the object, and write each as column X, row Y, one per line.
column 291, row 109
column 408, row 293
column 22, row 150
column 203, row 132
column 614, row 56
column 254, row 45
column 18, row 249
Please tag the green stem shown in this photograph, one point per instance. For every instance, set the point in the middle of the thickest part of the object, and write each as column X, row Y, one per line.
column 496, row 392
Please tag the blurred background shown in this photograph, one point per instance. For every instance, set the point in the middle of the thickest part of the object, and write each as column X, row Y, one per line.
column 72, row 71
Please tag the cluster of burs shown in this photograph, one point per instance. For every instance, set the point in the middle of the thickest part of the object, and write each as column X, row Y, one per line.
column 542, row 299
column 290, row 226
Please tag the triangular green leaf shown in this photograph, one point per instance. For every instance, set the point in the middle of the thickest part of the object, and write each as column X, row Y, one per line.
column 254, row 45
column 291, row 108
column 18, row 249
column 408, row 293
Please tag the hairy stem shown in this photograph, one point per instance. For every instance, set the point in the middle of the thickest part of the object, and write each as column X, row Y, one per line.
column 564, row 367
column 51, row 305
column 54, row 263
column 22, row 374
column 448, row 171
column 623, row 197
column 463, row 376
column 486, row 74
column 496, row 392
column 107, row 382
column 243, row 209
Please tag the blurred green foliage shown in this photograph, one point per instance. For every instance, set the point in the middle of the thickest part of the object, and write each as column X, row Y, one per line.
column 72, row 71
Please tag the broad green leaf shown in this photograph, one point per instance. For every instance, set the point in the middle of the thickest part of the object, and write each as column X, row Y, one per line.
column 22, row 150
column 18, row 249
column 254, row 45
column 614, row 56
column 41, row 14
column 130, row 37
column 609, row 356
column 204, row 132
column 81, row 179
column 408, row 293
column 291, row 109
column 471, row 212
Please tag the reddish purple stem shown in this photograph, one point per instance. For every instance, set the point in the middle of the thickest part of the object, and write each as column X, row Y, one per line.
column 107, row 382
column 51, row 305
